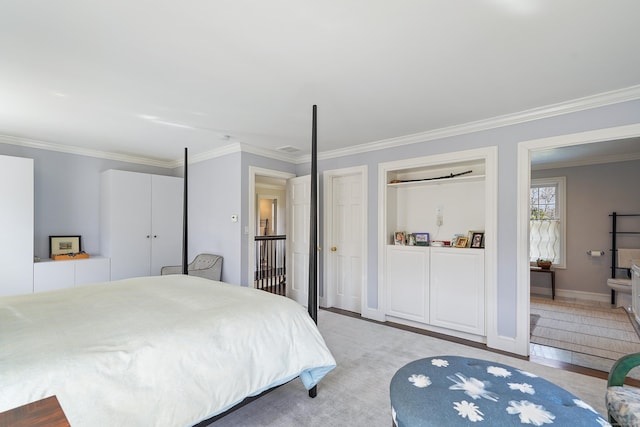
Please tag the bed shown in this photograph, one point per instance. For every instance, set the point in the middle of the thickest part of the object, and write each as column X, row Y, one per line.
column 170, row 350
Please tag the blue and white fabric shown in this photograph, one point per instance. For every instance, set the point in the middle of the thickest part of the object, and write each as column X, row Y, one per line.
column 460, row 391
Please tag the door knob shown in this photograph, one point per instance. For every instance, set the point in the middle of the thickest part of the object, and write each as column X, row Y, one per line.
column 333, row 249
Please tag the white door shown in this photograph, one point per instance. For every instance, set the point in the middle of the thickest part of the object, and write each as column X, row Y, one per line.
column 346, row 243
column 166, row 222
column 16, row 225
column 298, row 206
column 129, row 223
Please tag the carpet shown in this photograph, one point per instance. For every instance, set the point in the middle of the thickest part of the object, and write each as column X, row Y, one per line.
column 356, row 393
column 596, row 335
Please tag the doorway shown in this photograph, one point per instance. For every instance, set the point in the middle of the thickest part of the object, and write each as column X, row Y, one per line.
column 265, row 231
column 526, row 151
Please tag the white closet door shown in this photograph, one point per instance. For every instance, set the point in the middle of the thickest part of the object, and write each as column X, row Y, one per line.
column 16, row 225
column 130, row 226
column 166, row 222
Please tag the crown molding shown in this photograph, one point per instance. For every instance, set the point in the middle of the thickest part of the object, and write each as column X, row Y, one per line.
column 631, row 93
column 599, row 100
column 68, row 149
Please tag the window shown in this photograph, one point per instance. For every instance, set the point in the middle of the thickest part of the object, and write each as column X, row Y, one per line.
column 547, row 221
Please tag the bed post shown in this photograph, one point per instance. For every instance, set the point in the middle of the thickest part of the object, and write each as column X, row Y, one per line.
column 185, row 237
column 313, row 230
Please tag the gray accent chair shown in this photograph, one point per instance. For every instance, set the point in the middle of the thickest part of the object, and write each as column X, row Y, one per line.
column 208, row 266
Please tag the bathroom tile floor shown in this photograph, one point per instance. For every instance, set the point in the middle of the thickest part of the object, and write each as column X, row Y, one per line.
column 579, row 355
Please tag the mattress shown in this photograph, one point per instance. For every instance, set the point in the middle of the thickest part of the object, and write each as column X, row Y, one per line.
column 154, row 351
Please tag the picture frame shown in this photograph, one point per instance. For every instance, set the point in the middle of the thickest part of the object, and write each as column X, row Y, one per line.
column 62, row 245
column 461, row 242
column 422, row 239
column 477, row 240
column 399, row 238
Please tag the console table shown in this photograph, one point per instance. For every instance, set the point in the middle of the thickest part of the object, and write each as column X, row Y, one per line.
column 460, row 391
column 553, row 278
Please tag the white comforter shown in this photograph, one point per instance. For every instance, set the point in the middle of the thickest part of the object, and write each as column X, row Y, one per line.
column 156, row 351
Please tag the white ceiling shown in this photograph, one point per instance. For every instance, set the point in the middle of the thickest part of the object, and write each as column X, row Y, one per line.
column 148, row 77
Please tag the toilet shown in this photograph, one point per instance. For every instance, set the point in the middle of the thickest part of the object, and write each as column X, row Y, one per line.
column 623, row 292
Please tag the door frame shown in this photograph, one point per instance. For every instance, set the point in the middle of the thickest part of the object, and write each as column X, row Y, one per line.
column 326, row 300
column 250, row 230
column 525, row 148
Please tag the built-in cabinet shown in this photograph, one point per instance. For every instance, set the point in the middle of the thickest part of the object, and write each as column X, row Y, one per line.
column 440, row 288
column 140, row 222
column 407, row 282
column 16, row 225
column 456, row 289
column 49, row 275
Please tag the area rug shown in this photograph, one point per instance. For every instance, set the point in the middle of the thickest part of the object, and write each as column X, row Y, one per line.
column 594, row 336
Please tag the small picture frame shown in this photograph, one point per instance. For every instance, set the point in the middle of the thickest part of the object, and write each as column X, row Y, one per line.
column 477, row 240
column 422, row 239
column 461, row 242
column 411, row 239
column 399, row 238
column 62, row 245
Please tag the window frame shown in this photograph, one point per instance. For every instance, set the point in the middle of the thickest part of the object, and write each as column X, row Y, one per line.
column 560, row 182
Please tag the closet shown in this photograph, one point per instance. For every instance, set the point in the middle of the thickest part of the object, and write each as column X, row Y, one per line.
column 436, row 287
column 140, row 222
column 16, row 225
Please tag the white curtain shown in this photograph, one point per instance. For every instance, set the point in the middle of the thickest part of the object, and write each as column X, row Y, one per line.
column 544, row 239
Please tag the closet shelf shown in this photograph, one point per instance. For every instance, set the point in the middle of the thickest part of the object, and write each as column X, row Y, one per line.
column 472, row 178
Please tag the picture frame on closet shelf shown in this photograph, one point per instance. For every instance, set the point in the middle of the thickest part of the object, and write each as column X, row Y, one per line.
column 461, row 242
column 62, row 245
column 422, row 239
column 399, row 238
column 477, row 240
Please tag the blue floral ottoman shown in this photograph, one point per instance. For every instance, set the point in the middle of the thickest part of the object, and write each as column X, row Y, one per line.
column 459, row 391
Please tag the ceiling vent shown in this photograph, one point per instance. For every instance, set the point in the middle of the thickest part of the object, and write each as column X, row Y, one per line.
column 288, row 149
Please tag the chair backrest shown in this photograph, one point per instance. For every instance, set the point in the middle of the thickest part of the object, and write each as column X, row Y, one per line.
column 208, row 266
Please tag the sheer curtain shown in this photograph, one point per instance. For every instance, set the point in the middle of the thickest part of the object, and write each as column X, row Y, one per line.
column 544, row 239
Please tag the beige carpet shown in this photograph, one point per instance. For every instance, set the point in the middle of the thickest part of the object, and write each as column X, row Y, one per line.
column 356, row 393
column 593, row 335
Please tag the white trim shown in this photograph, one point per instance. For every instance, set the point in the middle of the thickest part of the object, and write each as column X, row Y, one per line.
column 522, row 235
column 251, row 234
column 593, row 101
column 490, row 156
column 328, row 176
column 80, row 151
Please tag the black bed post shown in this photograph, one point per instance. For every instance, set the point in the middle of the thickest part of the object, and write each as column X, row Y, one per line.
column 313, row 230
column 185, row 237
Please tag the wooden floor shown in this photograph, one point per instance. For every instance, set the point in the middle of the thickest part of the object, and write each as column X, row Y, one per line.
column 535, row 359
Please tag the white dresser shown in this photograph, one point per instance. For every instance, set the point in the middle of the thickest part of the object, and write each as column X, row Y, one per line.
column 49, row 275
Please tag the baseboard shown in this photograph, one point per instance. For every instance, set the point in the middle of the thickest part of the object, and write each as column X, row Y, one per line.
column 588, row 296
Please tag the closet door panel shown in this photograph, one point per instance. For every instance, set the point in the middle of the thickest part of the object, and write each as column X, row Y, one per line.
column 130, row 224
column 16, row 225
column 166, row 222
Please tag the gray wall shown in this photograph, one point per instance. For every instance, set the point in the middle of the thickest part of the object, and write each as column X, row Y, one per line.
column 506, row 139
column 67, row 194
column 218, row 189
column 593, row 192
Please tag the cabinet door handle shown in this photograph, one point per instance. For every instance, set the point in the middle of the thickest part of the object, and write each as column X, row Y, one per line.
column 155, row 236
column 333, row 249
column 148, row 236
